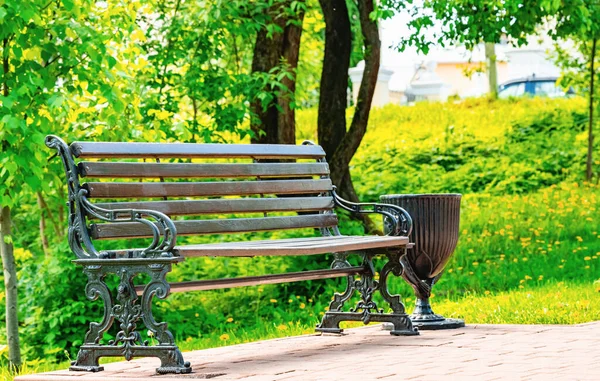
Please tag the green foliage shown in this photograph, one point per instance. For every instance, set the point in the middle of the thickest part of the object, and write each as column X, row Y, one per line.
column 514, row 146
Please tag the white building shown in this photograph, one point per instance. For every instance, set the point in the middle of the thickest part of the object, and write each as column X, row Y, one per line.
column 409, row 76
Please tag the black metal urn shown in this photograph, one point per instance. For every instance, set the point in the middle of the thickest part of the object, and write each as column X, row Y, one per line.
column 436, row 219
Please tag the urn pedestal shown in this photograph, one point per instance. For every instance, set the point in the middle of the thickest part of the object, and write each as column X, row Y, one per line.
column 436, row 219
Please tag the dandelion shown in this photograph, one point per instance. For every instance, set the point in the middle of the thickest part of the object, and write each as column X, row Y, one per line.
column 302, row 305
column 475, row 263
column 273, row 300
column 578, row 238
column 230, row 320
column 486, row 292
column 224, row 337
column 290, row 301
column 471, row 251
column 282, row 327
column 524, row 259
column 188, row 340
column 197, row 314
column 527, row 277
column 541, row 277
column 587, row 258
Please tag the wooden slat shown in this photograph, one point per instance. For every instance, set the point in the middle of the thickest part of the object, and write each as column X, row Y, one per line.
column 224, row 206
column 191, row 170
column 225, row 188
column 237, row 225
column 298, row 246
column 191, row 150
column 216, row 284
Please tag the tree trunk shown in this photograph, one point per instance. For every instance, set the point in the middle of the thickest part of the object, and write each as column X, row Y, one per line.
column 8, row 258
column 490, row 55
column 275, row 124
column 286, row 122
column 340, row 146
column 45, row 246
column 10, row 283
column 266, row 57
column 333, row 93
column 588, row 165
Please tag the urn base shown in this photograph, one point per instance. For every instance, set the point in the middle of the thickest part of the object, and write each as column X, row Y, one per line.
column 436, row 323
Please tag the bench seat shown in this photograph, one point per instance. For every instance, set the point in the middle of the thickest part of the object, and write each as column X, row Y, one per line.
column 294, row 246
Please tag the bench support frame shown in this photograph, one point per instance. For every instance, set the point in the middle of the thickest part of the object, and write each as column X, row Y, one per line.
column 366, row 310
column 127, row 311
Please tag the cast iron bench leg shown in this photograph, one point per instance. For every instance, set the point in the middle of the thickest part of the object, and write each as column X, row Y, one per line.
column 128, row 341
column 366, row 310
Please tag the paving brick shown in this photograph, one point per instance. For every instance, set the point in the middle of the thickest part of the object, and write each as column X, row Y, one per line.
column 476, row 352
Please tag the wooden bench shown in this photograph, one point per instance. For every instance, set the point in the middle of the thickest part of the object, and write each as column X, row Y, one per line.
column 163, row 185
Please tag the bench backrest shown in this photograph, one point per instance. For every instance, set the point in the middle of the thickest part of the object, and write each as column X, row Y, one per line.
column 189, row 182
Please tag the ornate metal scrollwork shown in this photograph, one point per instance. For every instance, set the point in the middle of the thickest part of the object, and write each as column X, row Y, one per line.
column 79, row 240
column 158, row 287
column 397, row 220
column 393, row 266
column 128, row 312
column 96, row 288
column 366, row 310
column 366, row 287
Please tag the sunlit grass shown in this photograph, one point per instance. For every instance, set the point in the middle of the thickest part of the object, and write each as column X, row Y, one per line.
column 552, row 303
column 510, row 242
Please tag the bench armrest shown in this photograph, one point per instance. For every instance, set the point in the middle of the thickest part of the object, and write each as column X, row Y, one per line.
column 163, row 229
column 397, row 220
column 164, row 232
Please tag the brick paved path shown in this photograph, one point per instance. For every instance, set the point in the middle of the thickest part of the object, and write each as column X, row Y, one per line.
column 477, row 352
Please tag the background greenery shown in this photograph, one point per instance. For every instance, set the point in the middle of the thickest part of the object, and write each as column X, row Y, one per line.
column 528, row 251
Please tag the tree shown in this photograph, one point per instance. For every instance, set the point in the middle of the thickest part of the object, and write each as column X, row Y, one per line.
column 471, row 23
column 577, row 21
column 492, row 68
column 341, row 145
